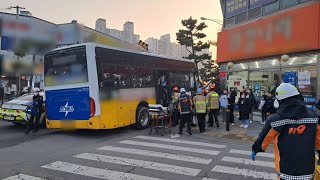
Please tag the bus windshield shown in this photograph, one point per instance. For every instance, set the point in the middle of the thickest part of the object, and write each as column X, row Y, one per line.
column 63, row 68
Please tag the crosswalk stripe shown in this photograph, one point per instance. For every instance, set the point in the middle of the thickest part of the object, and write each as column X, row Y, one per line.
column 235, row 151
column 181, row 141
column 244, row 172
column 23, row 177
column 208, row 179
column 157, row 154
column 140, row 163
column 248, row 162
column 171, row 147
column 94, row 172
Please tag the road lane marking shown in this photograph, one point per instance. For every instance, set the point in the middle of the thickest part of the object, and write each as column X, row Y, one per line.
column 248, row 162
column 181, row 141
column 23, row 177
column 171, row 147
column 208, row 179
column 157, row 154
column 235, row 151
column 94, row 172
column 244, row 172
column 140, row 163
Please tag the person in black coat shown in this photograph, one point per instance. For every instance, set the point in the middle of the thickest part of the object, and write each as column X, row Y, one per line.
column 232, row 100
column 268, row 107
column 244, row 109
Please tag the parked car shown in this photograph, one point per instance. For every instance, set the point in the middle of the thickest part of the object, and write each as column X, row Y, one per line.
column 14, row 110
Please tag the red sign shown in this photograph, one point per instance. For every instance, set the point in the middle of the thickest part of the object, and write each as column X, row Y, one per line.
column 223, row 75
column 296, row 30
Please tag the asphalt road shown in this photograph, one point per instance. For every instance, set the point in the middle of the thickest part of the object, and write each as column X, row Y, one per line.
column 126, row 154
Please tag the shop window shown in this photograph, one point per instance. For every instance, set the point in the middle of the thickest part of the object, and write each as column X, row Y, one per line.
column 272, row 7
column 241, row 17
column 288, row 3
column 229, row 22
column 253, row 13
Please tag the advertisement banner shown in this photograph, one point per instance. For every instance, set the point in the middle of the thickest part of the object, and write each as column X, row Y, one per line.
column 234, row 7
column 283, row 33
column 223, row 75
column 257, row 3
column 304, row 78
column 290, row 77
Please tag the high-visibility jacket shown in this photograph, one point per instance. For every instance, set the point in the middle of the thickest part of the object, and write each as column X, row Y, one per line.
column 212, row 100
column 175, row 99
column 200, row 103
column 185, row 104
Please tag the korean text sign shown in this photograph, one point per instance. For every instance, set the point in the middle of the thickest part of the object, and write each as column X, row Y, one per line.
column 234, row 7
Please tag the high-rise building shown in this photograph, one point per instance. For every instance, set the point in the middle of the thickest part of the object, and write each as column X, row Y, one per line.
column 101, row 25
column 153, row 45
column 126, row 35
column 165, row 45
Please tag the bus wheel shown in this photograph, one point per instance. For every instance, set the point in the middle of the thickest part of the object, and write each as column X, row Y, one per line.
column 143, row 120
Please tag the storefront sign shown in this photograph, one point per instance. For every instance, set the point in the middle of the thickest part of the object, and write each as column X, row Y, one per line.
column 293, row 31
column 258, row 3
column 234, row 7
column 290, row 77
column 223, row 75
column 304, row 78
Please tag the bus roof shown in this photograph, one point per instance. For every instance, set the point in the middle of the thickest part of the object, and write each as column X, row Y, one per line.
column 123, row 50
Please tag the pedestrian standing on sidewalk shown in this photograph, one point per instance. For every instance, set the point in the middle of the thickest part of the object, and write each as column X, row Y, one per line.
column 244, row 109
column 200, row 109
column 212, row 100
column 262, row 107
column 223, row 100
column 232, row 100
column 185, row 105
column 295, row 132
column 253, row 103
column 269, row 105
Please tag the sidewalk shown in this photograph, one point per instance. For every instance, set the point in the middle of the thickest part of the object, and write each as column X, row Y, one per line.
column 249, row 135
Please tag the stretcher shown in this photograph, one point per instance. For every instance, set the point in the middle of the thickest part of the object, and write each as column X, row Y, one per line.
column 161, row 118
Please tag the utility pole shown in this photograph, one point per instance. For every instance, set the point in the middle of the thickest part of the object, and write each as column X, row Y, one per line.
column 16, row 34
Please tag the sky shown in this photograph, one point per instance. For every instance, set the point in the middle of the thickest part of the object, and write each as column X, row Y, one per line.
column 152, row 18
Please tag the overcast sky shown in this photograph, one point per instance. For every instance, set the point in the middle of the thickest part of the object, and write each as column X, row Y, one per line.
column 152, row 18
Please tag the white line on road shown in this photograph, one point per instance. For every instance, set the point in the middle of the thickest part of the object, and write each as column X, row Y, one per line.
column 244, row 172
column 248, row 162
column 171, row 147
column 235, row 151
column 181, row 141
column 157, row 154
column 208, row 179
column 94, row 172
column 23, row 177
column 140, row 163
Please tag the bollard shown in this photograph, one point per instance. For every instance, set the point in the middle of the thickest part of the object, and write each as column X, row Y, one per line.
column 227, row 120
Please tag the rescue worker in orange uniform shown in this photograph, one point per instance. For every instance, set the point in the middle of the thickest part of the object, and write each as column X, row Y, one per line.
column 175, row 99
column 295, row 133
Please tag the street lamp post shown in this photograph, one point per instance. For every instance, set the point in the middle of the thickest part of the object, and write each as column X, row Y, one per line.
column 284, row 58
column 213, row 20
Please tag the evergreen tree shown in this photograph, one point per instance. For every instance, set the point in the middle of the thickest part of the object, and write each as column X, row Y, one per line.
column 191, row 37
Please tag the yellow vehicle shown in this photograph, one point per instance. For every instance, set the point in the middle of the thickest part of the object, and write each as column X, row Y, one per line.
column 90, row 86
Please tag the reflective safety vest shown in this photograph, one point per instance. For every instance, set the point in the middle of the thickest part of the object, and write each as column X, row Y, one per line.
column 212, row 100
column 200, row 103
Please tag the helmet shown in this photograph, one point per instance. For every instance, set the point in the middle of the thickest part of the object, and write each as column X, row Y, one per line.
column 199, row 90
column 212, row 87
column 286, row 90
column 36, row 89
column 183, row 90
column 175, row 89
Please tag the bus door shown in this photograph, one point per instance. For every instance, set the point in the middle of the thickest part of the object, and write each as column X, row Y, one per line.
column 162, row 91
column 124, row 84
